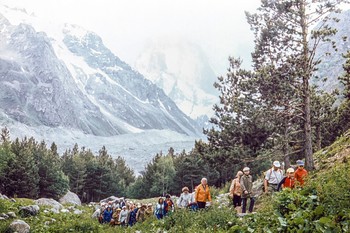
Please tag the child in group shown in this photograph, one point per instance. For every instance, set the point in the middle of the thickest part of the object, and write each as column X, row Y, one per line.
column 288, row 181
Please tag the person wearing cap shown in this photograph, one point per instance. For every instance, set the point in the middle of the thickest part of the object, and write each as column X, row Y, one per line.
column 273, row 177
column 202, row 194
column 236, row 191
column 288, row 181
column 115, row 216
column 185, row 198
column 247, row 188
column 300, row 174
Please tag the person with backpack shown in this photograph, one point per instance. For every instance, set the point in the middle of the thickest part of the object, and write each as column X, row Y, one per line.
column 202, row 194
column 273, row 177
column 288, row 181
column 247, row 188
column 236, row 191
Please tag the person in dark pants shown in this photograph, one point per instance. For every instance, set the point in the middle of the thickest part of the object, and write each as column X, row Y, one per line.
column 236, row 191
column 202, row 194
column 247, row 186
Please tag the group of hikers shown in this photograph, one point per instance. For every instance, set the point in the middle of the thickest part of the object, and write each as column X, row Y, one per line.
column 274, row 179
column 127, row 213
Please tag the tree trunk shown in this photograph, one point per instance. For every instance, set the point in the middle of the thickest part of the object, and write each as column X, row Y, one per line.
column 286, row 138
column 309, row 162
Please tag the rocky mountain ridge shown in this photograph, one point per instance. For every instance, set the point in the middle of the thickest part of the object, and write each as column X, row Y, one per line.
column 72, row 80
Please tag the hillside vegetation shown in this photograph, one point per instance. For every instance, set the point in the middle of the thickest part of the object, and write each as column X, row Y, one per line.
column 322, row 206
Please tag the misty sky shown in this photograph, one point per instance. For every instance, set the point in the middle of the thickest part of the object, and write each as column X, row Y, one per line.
column 218, row 26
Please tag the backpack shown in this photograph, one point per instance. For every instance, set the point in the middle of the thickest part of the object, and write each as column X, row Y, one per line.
column 270, row 170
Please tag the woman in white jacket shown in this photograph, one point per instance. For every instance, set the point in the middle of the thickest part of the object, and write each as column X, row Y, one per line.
column 123, row 216
column 185, row 198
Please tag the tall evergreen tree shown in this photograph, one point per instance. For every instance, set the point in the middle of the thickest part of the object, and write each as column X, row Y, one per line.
column 285, row 49
column 342, row 122
column 53, row 183
column 22, row 177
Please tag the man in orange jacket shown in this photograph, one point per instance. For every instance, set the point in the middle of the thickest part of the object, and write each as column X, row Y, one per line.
column 202, row 194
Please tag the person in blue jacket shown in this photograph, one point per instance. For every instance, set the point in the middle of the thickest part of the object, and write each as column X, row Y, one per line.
column 107, row 214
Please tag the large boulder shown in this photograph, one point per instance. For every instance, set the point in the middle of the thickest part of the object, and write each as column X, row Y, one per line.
column 31, row 210
column 70, row 198
column 257, row 188
column 19, row 226
column 49, row 202
column 96, row 214
column 108, row 199
column 3, row 197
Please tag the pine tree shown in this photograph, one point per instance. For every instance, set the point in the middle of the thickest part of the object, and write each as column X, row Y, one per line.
column 238, row 122
column 53, row 183
column 285, row 53
column 22, row 178
column 341, row 122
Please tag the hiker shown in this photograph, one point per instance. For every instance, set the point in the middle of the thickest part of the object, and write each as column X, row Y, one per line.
column 149, row 210
column 300, row 174
column 273, row 177
column 236, row 191
column 123, row 216
column 247, row 187
column 100, row 212
column 169, row 204
column 288, row 181
column 115, row 217
column 202, row 194
column 193, row 204
column 159, row 212
column 185, row 198
column 122, row 202
column 132, row 214
column 107, row 214
column 141, row 214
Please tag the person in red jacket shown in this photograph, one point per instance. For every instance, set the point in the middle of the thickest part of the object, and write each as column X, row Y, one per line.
column 300, row 174
column 288, row 181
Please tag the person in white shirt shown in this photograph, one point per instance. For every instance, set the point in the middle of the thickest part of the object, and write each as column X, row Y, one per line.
column 273, row 177
column 185, row 198
column 123, row 216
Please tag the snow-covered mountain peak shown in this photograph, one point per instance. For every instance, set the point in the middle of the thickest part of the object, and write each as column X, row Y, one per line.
column 182, row 70
column 75, row 30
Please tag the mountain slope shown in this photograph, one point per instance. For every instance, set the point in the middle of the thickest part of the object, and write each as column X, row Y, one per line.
column 66, row 77
column 331, row 66
column 182, row 70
